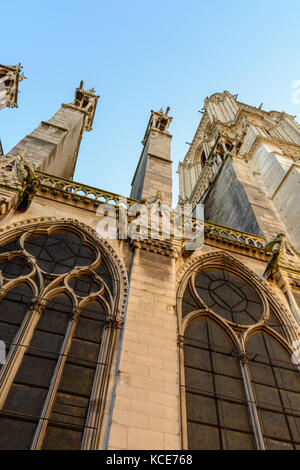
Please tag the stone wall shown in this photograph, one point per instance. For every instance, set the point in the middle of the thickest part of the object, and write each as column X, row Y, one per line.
column 146, row 408
column 227, row 202
column 154, row 172
column 287, row 201
column 52, row 147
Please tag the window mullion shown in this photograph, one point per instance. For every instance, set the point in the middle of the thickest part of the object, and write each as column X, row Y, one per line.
column 47, row 407
column 253, row 414
column 18, row 349
column 91, row 426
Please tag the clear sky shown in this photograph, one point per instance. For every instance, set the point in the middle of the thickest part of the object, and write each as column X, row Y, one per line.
column 141, row 55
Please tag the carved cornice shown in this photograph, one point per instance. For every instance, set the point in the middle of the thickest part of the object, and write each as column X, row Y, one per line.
column 89, row 198
column 289, row 149
column 168, row 248
column 243, row 242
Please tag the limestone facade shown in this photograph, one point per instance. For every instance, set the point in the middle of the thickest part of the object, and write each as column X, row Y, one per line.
column 243, row 165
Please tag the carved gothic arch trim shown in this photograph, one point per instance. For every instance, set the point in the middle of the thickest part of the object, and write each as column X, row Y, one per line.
column 225, row 260
column 215, row 318
column 51, row 223
column 270, row 332
column 95, row 424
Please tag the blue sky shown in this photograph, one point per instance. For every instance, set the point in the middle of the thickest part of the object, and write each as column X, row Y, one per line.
column 143, row 55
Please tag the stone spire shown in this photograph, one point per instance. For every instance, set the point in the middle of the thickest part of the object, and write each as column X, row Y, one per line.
column 54, row 145
column 154, row 170
column 9, row 82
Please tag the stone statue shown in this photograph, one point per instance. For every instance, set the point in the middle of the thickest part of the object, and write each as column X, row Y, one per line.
column 277, row 247
column 29, row 188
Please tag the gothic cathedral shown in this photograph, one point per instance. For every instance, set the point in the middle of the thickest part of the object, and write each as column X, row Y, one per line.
column 133, row 340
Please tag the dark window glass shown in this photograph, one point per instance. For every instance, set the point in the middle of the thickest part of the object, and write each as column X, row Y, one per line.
column 29, row 389
column 105, row 274
column 9, row 246
column 277, row 388
column 14, row 268
column 13, row 308
column 59, row 252
column 84, row 285
column 71, row 402
column 55, row 342
column 189, row 304
column 217, row 412
column 276, row 325
column 229, row 296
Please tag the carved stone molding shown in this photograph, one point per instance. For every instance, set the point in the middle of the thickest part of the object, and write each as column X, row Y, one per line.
column 9, row 82
column 221, row 258
column 113, row 258
column 165, row 248
column 85, row 101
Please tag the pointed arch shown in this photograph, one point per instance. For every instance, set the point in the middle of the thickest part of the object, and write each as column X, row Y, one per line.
column 9, row 233
column 215, row 406
column 276, row 384
column 81, row 322
column 216, row 296
column 222, row 260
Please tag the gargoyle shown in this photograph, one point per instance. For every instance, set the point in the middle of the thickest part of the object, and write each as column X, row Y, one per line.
column 29, row 187
column 275, row 246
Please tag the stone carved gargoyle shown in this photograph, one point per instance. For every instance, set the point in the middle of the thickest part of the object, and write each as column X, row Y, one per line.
column 275, row 246
column 30, row 185
column 29, row 182
column 283, row 256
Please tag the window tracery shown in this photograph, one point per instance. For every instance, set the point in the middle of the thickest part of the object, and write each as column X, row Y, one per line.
column 58, row 294
column 240, row 389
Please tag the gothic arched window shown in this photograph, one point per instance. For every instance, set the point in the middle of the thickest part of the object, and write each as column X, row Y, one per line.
column 277, row 389
column 58, row 302
column 217, row 416
column 240, row 387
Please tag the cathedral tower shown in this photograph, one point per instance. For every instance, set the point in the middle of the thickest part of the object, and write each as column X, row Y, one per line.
column 243, row 164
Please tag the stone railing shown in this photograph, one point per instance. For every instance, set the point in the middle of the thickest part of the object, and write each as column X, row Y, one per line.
column 233, row 236
column 79, row 191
